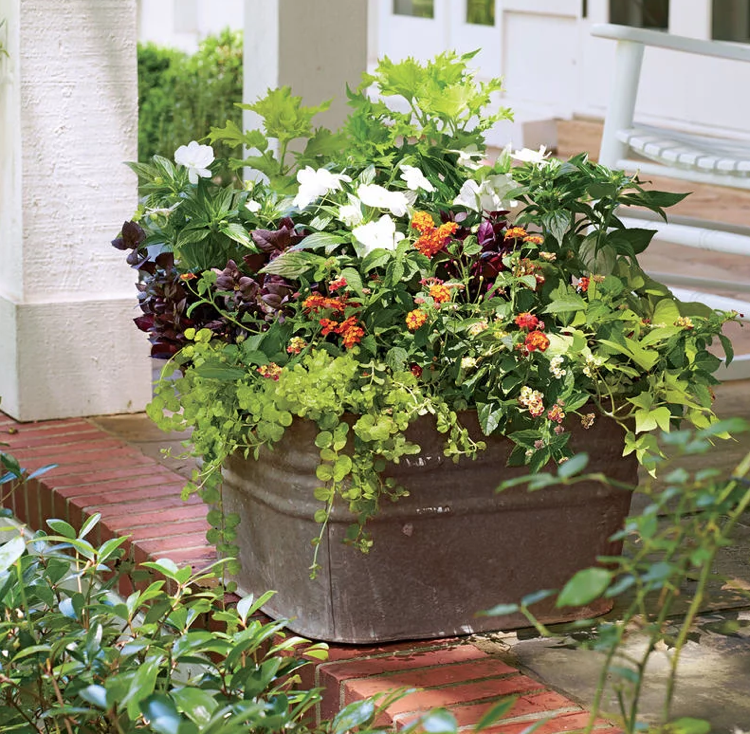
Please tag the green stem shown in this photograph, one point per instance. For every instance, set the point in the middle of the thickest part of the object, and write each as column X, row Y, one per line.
column 740, row 473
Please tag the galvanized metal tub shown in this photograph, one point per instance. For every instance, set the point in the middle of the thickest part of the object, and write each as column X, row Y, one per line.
column 451, row 548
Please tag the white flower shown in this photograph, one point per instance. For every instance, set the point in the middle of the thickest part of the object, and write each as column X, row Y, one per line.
column 555, row 367
column 532, row 156
column 351, row 214
column 380, row 198
column 252, row 206
column 469, row 195
column 196, row 158
column 466, row 157
column 313, row 184
column 380, row 234
column 490, row 196
column 415, row 179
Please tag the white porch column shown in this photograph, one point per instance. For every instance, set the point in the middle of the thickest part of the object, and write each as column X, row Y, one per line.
column 68, row 118
column 316, row 47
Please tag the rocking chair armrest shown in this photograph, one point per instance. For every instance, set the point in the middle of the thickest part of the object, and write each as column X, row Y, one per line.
column 717, row 49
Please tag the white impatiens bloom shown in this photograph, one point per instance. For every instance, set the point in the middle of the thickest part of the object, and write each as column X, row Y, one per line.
column 492, row 195
column 380, row 198
column 527, row 155
column 313, row 184
column 374, row 235
column 351, row 214
column 196, row 158
column 252, row 206
column 470, row 157
column 415, row 179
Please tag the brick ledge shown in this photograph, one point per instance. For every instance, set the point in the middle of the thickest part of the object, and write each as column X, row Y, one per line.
column 138, row 496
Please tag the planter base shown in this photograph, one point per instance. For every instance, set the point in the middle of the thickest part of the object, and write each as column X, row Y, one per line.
column 453, row 547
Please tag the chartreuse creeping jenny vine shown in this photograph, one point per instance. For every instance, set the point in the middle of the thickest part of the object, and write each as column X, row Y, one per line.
column 388, row 271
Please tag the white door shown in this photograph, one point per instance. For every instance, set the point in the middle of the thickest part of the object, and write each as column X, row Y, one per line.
column 425, row 28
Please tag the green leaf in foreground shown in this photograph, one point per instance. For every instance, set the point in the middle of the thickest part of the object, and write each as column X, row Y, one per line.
column 584, row 587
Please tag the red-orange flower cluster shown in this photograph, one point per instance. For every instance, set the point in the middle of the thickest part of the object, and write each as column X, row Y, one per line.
column 432, row 239
column 534, row 239
column 527, row 320
column 350, row 331
column 536, row 342
column 415, row 319
column 334, row 285
column 583, row 284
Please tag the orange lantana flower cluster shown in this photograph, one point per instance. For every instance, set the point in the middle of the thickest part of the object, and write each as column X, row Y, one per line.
column 432, row 239
column 440, row 293
column 519, row 233
column 515, row 233
column 536, row 342
column 349, row 329
column 317, row 301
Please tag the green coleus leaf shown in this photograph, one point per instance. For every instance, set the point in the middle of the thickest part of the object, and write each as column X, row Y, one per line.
column 396, row 358
column 319, row 241
column 293, row 264
column 236, row 232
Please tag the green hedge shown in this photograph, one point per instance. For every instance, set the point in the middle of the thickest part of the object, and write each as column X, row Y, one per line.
column 181, row 96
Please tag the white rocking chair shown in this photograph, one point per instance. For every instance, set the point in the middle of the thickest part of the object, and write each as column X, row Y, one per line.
column 679, row 155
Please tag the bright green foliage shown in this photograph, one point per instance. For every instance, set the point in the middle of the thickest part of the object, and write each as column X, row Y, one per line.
column 442, row 100
column 77, row 658
column 181, row 96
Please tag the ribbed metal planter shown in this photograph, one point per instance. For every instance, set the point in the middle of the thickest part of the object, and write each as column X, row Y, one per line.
column 450, row 549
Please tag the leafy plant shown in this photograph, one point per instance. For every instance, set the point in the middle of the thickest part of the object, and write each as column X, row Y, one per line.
column 387, row 271
column 12, row 475
column 670, row 546
column 74, row 657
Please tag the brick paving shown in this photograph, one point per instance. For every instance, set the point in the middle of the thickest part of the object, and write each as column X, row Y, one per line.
column 138, row 496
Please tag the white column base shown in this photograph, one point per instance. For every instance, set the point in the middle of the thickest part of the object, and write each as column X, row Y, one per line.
column 72, row 359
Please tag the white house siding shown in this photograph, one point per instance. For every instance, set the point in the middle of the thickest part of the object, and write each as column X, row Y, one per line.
column 183, row 23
